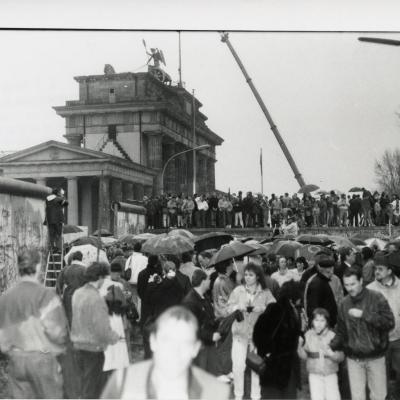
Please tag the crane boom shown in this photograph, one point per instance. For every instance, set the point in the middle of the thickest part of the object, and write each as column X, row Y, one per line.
column 274, row 128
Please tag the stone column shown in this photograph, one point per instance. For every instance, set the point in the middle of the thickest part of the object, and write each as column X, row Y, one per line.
column 127, row 188
column 211, row 174
column 170, row 172
column 86, row 202
column 201, row 174
column 116, row 189
column 41, row 181
column 72, row 195
column 104, row 203
column 138, row 189
column 155, row 155
column 189, row 172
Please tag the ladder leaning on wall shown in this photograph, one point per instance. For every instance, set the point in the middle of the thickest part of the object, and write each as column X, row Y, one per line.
column 54, row 265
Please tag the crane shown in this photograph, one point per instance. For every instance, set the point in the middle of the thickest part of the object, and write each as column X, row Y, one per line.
column 303, row 187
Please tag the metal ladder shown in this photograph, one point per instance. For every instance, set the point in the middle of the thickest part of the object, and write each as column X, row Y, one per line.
column 54, row 265
column 53, row 268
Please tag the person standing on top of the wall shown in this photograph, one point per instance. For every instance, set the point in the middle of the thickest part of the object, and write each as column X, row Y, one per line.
column 55, row 217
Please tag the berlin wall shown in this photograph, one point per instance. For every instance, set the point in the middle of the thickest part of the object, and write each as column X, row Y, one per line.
column 22, row 207
column 128, row 218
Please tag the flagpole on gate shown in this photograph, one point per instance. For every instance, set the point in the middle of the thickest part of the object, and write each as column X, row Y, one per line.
column 261, row 170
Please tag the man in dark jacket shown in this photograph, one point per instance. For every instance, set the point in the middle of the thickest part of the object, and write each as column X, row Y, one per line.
column 364, row 321
column 201, row 307
column 55, row 218
column 347, row 259
column 318, row 292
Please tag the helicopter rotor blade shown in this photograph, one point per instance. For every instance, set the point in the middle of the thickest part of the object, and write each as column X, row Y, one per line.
column 389, row 42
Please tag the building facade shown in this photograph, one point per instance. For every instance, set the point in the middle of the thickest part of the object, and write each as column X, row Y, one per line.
column 136, row 117
column 121, row 133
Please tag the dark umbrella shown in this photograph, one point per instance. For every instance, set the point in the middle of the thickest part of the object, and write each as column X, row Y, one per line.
column 212, row 240
column 356, row 189
column 323, row 240
column 259, row 249
column 94, row 241
column 165, row 244
column 231, row 250
column 286, row 248
column 71, row 229
column 103, row 232
column 357, row 241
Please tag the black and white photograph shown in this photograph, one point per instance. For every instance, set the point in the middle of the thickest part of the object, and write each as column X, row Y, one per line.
column 200, row 201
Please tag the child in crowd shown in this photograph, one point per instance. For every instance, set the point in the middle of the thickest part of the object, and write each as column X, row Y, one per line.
column 322, row 362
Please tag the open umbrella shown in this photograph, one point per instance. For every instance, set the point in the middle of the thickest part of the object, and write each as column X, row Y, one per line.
column 212, row 240
column 181, row 232
column 355, row 189
column 103, row 232
column 108, row 240
column 322, row 240
column 357, row 241
column 165, row 244
column 92, row 240
column 71, row 229
column 89, row 253
column 259, row 249
column 231, row 250
column 130, row 239
column 286, row 248
column 376, row 242
column 309, row 251
column 341, row 241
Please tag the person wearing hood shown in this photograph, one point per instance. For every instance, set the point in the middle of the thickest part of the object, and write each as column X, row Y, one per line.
column 55, row 204
column 388, row 285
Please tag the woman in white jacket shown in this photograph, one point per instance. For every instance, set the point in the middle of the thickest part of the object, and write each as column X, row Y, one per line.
column 251, row 298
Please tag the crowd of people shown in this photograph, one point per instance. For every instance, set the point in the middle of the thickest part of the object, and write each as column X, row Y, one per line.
column 340, row 314
column 226, row 211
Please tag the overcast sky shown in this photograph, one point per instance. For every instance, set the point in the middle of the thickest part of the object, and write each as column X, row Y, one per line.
column 333, row 98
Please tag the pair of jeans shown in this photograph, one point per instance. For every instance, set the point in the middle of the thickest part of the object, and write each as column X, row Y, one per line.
column 90, row 368
column 324, row 387
column 393, row 363
column 239, row 353
column 371, row 372
column 33, row 374
column 239, row 219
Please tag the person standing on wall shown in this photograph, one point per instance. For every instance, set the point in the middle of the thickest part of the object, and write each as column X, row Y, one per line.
column 55, row 204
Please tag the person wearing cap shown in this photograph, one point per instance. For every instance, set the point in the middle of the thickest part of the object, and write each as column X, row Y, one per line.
column 388, row 285
column 362, row 332
column 318, row 292
column 91, row 331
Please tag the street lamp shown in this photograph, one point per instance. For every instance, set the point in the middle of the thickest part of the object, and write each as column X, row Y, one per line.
column 204, row 146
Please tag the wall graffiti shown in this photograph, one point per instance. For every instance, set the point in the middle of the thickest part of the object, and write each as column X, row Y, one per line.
column 130, row 223
column 21, row 225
